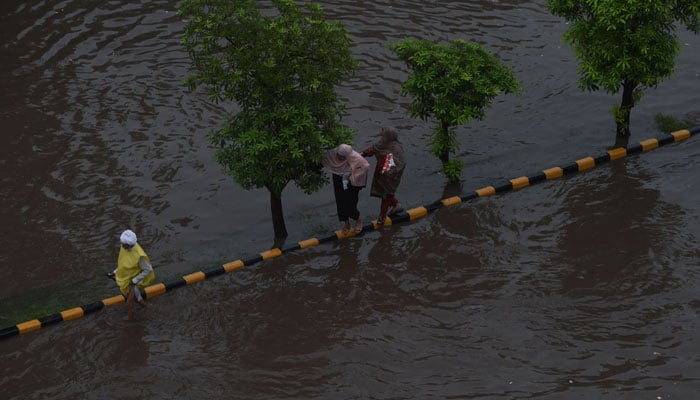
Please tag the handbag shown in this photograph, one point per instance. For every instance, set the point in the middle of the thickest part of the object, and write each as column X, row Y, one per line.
column 388, row 163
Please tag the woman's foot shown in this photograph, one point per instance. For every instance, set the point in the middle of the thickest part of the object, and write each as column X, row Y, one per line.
column 395, row 208
column 380, row 220
column 358, row 226
column 346, row 228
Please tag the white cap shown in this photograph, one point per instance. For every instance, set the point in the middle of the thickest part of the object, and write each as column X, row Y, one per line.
column 128, row 237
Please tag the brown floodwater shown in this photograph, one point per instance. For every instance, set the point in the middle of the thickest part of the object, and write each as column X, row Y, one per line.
column 584, row 287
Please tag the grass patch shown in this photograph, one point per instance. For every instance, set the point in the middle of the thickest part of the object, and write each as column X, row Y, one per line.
column 25, row 308
column 668, row 123
column 42, row 302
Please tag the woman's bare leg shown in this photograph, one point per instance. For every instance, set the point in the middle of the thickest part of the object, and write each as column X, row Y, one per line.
column 130, row 304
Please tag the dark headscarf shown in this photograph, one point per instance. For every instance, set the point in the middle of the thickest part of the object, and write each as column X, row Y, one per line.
column 389, row 143
column 383, row 184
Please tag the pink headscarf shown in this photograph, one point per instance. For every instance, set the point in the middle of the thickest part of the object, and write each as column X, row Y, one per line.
column 343, row 159
column 336, row 159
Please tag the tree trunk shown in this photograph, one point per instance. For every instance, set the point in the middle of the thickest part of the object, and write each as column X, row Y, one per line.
column 623, row 117
column 277, row 217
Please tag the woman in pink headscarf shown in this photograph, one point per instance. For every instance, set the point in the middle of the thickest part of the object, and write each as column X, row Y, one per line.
column 349, row 170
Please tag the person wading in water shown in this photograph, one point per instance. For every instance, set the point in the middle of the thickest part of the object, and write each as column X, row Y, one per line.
column 349, row 171
column 134, row 271
column 388, row 172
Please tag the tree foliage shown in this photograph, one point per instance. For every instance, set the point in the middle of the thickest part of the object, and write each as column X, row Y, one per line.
column 625, row 44
column 452, row 84
column 279, row 65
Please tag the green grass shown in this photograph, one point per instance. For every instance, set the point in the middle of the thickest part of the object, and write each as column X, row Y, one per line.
column 25, row 308
column 41, row 302
column 668, row 123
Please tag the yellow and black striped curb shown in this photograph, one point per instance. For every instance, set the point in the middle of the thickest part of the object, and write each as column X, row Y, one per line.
column 409, row 215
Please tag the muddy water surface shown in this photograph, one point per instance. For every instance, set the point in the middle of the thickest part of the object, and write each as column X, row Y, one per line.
column 584, row 287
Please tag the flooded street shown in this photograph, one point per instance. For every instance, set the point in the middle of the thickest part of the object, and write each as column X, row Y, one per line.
column 585, row 287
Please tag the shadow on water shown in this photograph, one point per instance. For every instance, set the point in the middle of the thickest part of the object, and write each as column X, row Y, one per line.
column 612, row 283
column 613, row 235
column 452, row 189
column 128, row 349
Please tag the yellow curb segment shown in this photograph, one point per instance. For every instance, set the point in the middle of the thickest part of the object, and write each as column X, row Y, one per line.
column 272, row 253
column 649, row 144
column 194, row 277
column 486, row 191
column 155, row 290
column 417, row 212
column 119, row 299
column 585, row 163
column 521, row 182
column 553, row 173
column 450, row 201
column 308, row 243
column 72, row 313
column 617, row 153
column 681, row 135
column 233, row 265
column 29, row 326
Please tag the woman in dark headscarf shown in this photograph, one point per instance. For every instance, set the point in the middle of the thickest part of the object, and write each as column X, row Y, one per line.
column 387, row 174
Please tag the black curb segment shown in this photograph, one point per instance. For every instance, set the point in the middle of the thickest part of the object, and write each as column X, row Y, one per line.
column 175, row 283
column 634, row 149
column 9, row 332
column 400, row 217
column 252, row 261
column 537, row 178
column 468, row 197
column 602, row 159
column 666, row 140
column 570, row 168
column 93, row 307
column 434, row 206
column 504, row 187
column 216, row 271
column 290, row 248
column 327, row 239
column 51, row 319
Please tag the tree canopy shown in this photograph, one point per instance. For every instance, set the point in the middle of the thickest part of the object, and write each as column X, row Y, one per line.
column 279, row 66
column 453, row 84
column 625, row 44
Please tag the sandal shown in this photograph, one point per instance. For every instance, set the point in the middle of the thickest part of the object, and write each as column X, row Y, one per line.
column 395, row 209
column 358, row 227
column 345, row 229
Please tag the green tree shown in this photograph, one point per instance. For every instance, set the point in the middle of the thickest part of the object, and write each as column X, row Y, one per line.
column 625, row 44
column 279, row 66
column 453, row 84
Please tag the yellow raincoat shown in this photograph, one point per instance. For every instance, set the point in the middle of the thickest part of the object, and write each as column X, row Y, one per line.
column 128, row 267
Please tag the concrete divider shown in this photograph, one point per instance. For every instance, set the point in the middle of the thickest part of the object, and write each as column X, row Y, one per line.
column 521, row 182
